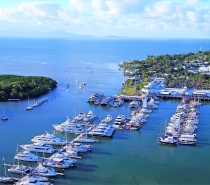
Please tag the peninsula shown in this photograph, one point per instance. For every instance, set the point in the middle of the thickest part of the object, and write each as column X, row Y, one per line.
column 191, row 70
column 22, row 87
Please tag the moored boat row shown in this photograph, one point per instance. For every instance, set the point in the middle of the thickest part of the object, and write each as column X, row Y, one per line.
column 182, row 126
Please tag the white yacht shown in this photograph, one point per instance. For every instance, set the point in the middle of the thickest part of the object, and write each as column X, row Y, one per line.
column 27, row 156
column 134, row 104
column 20, row 169
column 50, row 139
column 121, row 119
column 80, row 116
column 118, row 103
column 168, row 140
column 78, row 147
column 90, row 117
column 45, row 171
column 38, row 147
column 96, row 97
column 6, row 179
column 31, row 180
column 85, row 139
column 59, row 160
column 108, row 119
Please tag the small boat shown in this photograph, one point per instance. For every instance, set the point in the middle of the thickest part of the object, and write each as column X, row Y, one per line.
column 38, row 147
column 27, row 156
column 29, row 107
column 4, row 117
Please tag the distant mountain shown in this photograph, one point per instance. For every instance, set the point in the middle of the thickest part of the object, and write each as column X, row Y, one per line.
column 63, row 34
column 37, row 34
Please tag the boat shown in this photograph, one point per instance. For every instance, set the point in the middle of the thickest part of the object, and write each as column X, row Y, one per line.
column 78, row 147
column 29, row 107
column 118, row 103
column 4, row 117
column 31, row 180
column 59, row 160
column 85, row 139
column 134, row 104
column 120, row 120
column 50, row 139
column 38, row 147
column 168, row 140
column 96, row 97
column 45, row 171
column 108, row 119
column 6, row 179
column 20, row 169
column 90, row 117
column 27, row 156
column 80, row 116
column 106, row 100
column 187, row 141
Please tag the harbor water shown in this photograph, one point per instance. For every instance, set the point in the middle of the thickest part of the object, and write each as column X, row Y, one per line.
column 130, row 157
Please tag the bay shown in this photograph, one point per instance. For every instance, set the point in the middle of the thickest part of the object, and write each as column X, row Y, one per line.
column 129, row 157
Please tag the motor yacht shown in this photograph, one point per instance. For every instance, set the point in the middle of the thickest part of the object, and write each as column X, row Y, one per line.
column 96, row 97
column 27, row 156
column 20, row 169
column 38, row 147
column 121, row 119
column 108, row 119
column 168, row 140
column 80, row 116
column 118, row 103
column 31, row 180
column 90, row 117
column 59, row 160
column 50, row 139
column 45, row 171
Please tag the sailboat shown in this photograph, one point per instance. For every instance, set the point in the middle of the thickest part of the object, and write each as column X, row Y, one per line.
column 4, row 117
column 29, row 107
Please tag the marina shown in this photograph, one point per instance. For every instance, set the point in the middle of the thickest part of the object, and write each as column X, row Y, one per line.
column 131, row 156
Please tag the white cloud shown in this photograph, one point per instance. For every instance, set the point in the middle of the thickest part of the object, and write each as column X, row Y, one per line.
column 109, row 17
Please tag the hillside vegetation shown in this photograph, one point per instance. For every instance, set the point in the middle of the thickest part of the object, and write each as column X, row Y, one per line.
column 22, row 87
column 179, row 70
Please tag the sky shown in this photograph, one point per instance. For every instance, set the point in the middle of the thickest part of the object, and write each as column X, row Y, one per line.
column 122, row 18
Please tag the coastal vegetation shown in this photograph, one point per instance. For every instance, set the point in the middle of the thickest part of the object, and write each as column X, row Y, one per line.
column 22, row 87
column 191, row 70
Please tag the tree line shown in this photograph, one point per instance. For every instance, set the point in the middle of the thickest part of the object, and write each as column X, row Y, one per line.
column 174, row 68
column 22, row 87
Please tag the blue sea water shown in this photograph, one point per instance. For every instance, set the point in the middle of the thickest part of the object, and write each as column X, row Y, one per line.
column 129, row 157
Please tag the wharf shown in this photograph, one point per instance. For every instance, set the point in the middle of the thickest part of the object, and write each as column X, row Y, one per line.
column 81, row 135
column 164, row 96
column 129, row 98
